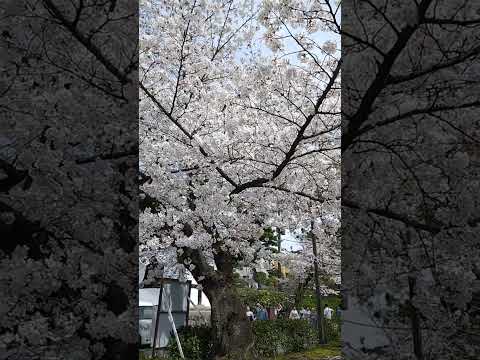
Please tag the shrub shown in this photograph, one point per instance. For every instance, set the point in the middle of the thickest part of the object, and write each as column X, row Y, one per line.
column 309, row 300
column 333, row 329
column 196, row 343
column 144, row 356
column 283, row 336
column 272, row 338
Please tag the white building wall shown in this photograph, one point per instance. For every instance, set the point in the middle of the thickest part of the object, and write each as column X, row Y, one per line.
column 194, row 298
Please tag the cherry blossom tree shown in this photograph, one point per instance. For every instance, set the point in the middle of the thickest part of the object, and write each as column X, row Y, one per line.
column 68, row 192
column 300, row 262
column 239, row 130
column 410, row 174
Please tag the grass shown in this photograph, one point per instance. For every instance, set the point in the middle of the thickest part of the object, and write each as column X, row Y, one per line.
column 318, row 353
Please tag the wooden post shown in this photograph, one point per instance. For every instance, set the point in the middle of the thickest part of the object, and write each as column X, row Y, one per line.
column 320, row 321
column 159, row 309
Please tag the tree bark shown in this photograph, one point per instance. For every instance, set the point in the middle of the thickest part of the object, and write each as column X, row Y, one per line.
column 320, row 321
column 300, row 291
column 231, row 329
column 416, row 332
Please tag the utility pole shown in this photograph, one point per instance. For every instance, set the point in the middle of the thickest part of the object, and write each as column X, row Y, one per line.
column 279, row 248
column 320, row 320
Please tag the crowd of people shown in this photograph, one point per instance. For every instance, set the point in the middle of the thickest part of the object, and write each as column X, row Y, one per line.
column 260, row 312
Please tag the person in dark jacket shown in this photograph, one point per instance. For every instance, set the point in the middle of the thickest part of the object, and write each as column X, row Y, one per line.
column 262, row 313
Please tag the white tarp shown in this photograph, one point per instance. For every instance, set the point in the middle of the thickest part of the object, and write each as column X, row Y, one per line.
column 177, row 291
column 148, row 297
column 165, row 328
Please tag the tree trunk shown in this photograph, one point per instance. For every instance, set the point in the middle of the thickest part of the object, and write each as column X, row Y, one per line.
column 320, row 321
column 231, row 329
column 416, row 331
column 300, row 291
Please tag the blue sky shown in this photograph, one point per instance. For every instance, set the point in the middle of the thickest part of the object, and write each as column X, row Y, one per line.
column 320, row 37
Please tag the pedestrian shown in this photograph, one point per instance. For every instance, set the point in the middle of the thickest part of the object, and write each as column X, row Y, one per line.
column 339, row 313
column 327, row 312
column 314, row 320
column 294, row 314
column 278, row 311
column 308, row 313
column 262, row 313
column 272, row 313
column 250, row 314
column 301, row 312
column 257, row 311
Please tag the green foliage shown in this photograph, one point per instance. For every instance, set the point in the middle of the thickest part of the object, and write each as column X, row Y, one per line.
column 274, row 274
column 196, row 343
column 333, row 329
column 269, row 239
column 265, row 297
column 238, row 282
column 318, row 353
column 272, row 338
column 333, row 326
column 261, row 278
column 269, row 280
column 283, row 336
column 310, row 302
column 272, row 282
column 146, row 356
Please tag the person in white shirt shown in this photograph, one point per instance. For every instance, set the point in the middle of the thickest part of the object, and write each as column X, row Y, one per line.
column 308, row 313
column 327, row 312
column 294, row 314
column 302, row 313
column 250, row 314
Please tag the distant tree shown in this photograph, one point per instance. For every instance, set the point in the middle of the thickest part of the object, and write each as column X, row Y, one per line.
column 410, row 165
column 68, row 169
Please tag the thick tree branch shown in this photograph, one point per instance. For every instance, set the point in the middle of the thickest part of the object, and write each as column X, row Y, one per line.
column 378, row 84
column 71, row 26
column 294, row 145
column 434, row 229
column 109, row 156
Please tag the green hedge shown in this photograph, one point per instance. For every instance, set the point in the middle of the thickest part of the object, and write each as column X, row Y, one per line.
column 283, row 336
column 196, row 343
column 333, row 329
column 272, row 338
column 146, row 356
column 310, row 301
